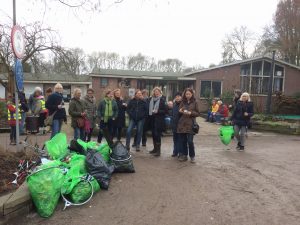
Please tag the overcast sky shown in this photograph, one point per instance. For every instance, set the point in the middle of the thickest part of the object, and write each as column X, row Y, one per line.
column 190, row 30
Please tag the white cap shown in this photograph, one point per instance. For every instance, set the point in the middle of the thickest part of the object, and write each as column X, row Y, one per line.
column 37, row 89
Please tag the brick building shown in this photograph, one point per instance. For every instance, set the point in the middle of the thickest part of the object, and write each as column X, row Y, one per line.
column 251, row 75
column 129, row 80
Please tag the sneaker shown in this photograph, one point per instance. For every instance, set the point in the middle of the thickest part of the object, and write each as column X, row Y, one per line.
column 193, row 160
column 238, row 145
column 137, row 148
column 182, row 158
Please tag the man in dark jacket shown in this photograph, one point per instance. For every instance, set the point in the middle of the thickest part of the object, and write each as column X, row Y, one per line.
column 175, row 118
column 137, row 111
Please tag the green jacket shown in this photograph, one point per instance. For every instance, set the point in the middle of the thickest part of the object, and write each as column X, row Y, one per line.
column 101, row 109
column 76, row 107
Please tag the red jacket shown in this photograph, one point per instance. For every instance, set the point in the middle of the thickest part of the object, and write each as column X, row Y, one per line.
column 11, row 114
column 223, row 110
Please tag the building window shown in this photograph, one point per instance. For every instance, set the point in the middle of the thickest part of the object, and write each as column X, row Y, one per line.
column 103, row 82
column 257, row 81
column 211, row 89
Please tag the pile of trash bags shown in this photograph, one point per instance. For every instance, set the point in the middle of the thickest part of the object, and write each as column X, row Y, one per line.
column 75, row 172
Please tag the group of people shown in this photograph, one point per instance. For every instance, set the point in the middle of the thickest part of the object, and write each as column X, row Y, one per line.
column 145, row 113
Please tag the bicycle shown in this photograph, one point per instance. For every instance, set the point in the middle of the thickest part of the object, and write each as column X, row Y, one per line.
column 26, row 167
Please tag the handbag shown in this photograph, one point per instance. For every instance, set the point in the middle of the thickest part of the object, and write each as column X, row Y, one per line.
column 195, row 127
column 80, row 122
column 49, row 120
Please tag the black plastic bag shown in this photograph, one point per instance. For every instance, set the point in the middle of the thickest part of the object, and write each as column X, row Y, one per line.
column 121, row 159
column 76, row 147
column 98, row 168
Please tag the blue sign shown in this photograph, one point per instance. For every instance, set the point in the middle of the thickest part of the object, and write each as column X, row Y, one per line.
column 19, row 74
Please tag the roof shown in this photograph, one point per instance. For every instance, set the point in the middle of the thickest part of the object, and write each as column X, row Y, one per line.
column 242, row 62
column 137, row 74
column 51, row 78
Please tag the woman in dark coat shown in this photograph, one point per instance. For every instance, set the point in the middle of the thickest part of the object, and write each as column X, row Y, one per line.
column 157, row 111
column 91, row 112
column 77, row 111
column 189, row 110
column 242, row 113
column 119, row 122
column 55, row 104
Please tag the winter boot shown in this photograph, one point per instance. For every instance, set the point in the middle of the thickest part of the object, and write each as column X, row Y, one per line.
column 154, row 149
column 157, row 153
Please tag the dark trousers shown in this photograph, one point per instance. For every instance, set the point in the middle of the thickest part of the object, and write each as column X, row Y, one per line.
column 176, row 143
column 187, row 144
column 117, row 132
column 106, row 130
column 88, row 136
column 13, row 133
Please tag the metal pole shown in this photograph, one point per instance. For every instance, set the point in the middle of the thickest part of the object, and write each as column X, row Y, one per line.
column 16, row 89
column 270, row 85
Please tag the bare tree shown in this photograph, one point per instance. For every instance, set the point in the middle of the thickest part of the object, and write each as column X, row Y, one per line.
column 236, row 45
column 287, row 27
column 37, row 38
column 70, row 61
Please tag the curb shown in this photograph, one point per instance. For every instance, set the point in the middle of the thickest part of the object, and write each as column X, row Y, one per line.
column 15, row 204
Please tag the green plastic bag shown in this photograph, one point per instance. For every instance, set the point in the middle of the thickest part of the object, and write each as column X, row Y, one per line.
column 44, row 186
column 105, row 151
column 76, row 170
column 87, row 145
column 82, row 191
column 226, row 134
column 57, row 147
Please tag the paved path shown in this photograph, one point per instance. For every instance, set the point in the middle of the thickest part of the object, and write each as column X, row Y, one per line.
column 258, row 186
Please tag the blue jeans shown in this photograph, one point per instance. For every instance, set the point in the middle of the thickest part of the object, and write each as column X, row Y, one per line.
column 176, row 143
column 218, row 117
column 139, row 124
column 21, row 127
column 187, row 144
column 79, row 133
column 56, row 127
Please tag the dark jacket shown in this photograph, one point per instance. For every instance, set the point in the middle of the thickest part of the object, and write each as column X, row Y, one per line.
column 101, row 109
column 238, row 117
column 76, row 107
column 137, row 109
column 23, row 102
column 120, row 119
column 52, row 103
column 185, row 122
column 175, row 116
column 157, row 121
column 91, row 110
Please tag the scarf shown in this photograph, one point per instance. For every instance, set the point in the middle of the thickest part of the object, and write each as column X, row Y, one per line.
column 108, row 109
column 154, row 104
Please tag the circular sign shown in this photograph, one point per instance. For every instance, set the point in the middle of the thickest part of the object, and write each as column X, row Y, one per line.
column 19, row 74
column 18, row 41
